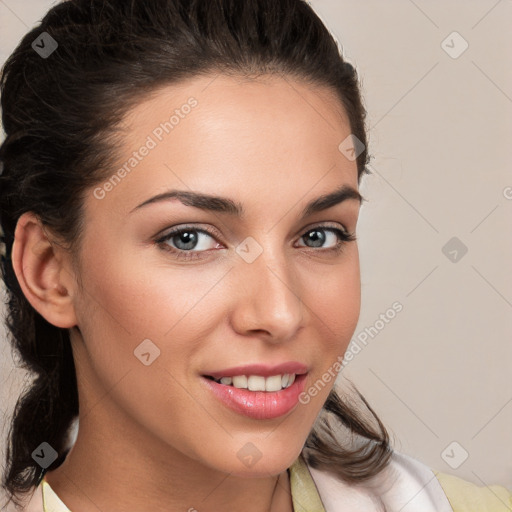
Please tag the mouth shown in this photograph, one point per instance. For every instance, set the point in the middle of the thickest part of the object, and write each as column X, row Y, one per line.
column 256, row 396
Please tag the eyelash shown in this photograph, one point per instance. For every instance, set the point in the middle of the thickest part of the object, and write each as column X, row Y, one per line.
column 182, row 254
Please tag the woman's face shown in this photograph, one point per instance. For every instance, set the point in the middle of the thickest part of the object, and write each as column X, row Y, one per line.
column 266, row 286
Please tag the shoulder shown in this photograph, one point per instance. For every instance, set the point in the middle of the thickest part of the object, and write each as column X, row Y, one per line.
column 465, row 496
column 33, row 502
column 407, row 485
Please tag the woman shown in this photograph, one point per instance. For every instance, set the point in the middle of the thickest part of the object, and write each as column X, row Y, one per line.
column 179, row 201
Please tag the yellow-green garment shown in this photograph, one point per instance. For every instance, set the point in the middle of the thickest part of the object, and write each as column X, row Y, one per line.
column 465, row 496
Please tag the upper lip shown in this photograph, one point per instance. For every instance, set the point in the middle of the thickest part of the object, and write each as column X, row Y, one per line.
column 263, row 370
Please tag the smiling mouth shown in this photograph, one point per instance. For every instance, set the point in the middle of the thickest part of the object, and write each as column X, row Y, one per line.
column 255, row 396
column 272, row 383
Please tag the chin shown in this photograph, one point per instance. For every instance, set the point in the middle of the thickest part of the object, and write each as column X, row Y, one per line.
column 252, row 462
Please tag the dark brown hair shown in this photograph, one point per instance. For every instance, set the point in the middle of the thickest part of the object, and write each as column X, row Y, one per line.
column 59, row 112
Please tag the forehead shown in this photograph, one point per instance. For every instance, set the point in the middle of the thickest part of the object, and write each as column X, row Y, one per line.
column 217, row 92
column 223, row 135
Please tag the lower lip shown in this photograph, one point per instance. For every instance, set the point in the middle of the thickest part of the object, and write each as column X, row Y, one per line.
column 259, row 405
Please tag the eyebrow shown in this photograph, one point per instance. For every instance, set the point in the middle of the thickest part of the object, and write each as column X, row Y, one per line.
column 230, row 207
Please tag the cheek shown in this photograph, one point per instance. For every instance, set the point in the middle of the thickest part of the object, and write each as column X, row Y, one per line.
column 333, row 296
column 128, row 300
column 142, row 295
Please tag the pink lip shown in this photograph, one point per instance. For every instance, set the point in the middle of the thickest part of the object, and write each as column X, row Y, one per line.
column 260, row 405
column 260, row 369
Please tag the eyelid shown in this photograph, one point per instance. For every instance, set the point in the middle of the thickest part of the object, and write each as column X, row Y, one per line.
column 325, row 225
column 165, row 234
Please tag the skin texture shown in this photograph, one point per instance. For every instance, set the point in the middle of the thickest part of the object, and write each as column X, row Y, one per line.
column 153, row 437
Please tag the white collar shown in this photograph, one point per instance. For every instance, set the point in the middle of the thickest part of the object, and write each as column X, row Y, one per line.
column 406, row 485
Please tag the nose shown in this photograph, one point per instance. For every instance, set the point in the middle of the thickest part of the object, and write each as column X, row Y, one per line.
column 268, row 299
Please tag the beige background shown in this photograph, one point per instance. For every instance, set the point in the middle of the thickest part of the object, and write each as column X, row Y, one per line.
column 440, row 132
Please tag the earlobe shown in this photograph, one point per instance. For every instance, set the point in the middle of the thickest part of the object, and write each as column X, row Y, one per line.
column 42, row 273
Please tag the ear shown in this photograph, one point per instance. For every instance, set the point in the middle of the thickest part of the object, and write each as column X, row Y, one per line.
column 44, row 272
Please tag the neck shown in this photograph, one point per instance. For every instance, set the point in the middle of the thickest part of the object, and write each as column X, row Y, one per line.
column 119, row 469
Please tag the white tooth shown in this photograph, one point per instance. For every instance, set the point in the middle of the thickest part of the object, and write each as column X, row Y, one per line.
column 273, row 383
column 284, row 380
column 256, row 383
column 240, row 381
column 291, row 380
column 226, row 380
